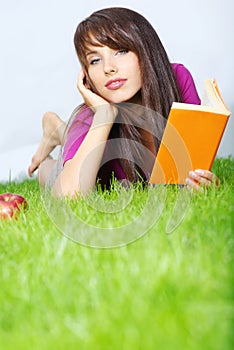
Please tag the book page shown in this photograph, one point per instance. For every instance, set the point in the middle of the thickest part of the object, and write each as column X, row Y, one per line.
column 211, row 96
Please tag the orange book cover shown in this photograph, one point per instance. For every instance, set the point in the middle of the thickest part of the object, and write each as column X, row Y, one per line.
column 191, row 137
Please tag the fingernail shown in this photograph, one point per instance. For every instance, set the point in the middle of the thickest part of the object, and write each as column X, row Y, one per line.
column 188, row 181
column 199, row 171
column 192, row 174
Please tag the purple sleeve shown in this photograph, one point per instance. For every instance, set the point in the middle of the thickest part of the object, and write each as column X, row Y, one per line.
column 77, row 132
column 186, row 84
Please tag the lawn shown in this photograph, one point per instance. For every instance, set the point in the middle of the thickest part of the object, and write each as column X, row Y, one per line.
column 170, row 287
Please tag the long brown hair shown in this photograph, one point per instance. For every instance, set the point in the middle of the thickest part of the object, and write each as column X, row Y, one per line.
column 118, row 27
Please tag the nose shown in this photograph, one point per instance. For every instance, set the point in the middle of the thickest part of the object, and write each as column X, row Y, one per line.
column 110, row 68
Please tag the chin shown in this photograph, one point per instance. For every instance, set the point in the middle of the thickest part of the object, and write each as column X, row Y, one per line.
column 129, row 99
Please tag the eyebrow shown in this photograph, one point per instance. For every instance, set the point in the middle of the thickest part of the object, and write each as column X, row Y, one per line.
column 91, row 53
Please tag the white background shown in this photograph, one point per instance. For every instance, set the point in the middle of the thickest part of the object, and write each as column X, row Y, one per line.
column 39, row 67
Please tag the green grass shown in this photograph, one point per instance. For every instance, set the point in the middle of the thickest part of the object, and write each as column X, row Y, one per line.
column 164, row 291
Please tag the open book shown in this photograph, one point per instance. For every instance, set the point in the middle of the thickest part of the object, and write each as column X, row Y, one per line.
column 191, row 137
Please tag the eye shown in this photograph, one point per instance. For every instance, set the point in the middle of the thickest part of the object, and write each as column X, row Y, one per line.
column 122, row 51
column 94, row 61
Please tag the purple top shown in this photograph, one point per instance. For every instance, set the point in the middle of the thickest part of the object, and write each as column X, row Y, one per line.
column 82, row 122
column 186, row 84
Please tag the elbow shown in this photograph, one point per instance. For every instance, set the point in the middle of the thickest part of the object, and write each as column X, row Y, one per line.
column 63, row 189
column 70, row 189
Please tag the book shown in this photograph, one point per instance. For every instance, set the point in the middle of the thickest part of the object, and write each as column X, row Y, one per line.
column 191, row 137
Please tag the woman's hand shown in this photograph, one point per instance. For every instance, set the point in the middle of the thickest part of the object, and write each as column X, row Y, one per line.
column 90, row 98
column 105, row 112
column 201, row 178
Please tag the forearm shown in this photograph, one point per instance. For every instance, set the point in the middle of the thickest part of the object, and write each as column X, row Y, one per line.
column 79, row 174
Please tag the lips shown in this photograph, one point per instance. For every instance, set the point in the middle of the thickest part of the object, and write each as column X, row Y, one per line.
column 115, row 84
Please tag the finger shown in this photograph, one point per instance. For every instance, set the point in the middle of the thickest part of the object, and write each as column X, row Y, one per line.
column 208, row 175
column 206, row 178
column 80, row 79
column 199, row 178
column 204, row 173
column 191, row 184
column 82, row 74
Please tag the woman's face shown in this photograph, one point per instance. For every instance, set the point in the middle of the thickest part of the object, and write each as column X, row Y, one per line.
column 114, row 73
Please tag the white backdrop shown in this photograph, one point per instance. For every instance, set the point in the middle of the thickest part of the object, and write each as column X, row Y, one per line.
column 39, row 68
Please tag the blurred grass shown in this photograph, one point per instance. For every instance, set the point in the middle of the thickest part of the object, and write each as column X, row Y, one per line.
column 164, row 291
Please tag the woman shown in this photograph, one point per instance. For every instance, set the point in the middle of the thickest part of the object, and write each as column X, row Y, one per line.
column 123, row 61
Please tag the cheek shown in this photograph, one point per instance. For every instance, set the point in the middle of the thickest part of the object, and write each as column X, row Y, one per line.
column 95, row 79
column 92, row 80
column 94, row 74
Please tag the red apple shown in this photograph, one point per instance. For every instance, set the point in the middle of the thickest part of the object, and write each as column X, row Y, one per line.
column 11, row 204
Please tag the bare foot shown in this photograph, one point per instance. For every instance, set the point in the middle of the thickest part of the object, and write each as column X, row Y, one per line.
column 53, row 130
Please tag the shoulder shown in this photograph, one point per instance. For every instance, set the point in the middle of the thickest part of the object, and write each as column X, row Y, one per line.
column 186, row 84
column 179, row 68
column 78, row 128
column 80, row 122
column 82, row 115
